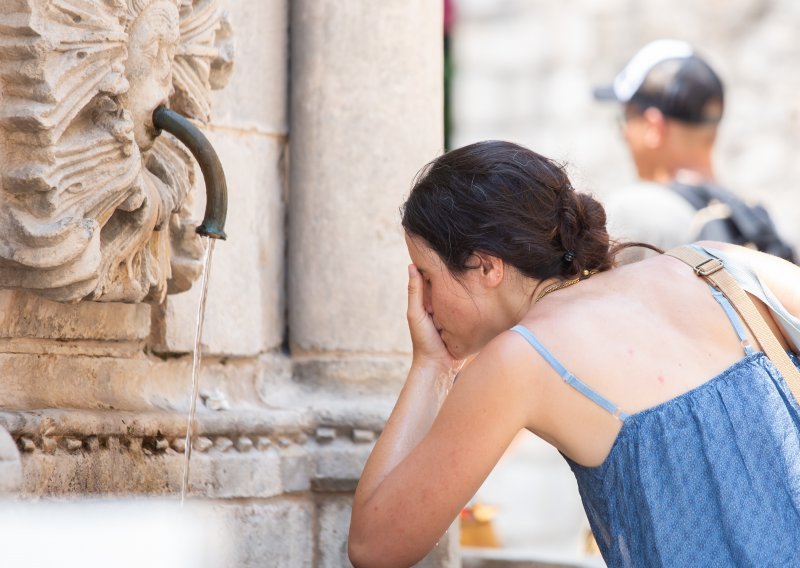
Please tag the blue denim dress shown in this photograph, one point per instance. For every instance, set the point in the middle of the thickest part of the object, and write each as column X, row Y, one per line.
column 709, row 478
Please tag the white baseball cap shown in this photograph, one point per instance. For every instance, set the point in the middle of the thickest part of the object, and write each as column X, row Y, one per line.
column 669, row 75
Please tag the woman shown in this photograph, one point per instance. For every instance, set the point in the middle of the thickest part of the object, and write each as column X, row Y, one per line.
column 683, row 438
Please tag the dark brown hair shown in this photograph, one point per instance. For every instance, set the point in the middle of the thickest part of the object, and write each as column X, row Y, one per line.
column 510, row 202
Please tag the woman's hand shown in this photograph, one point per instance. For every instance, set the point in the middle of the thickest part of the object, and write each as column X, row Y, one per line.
column 428, row 347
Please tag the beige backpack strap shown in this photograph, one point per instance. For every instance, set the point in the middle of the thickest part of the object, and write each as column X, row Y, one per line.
column 713, row 270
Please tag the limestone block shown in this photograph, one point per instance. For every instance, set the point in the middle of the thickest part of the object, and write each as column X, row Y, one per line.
column 351, row 376
column 295, row 469
column 366, row 115
column 333, row 515
column 218, row 468
column 23, row 314
column 274, row 534
column 244, row 310
column 364, row 413
column 51, row 381
column 10, row 465
column 106, row 381
column 99, row 382
column 57, row 471
column 338, row 466
column 233, row 474
column 256, row 97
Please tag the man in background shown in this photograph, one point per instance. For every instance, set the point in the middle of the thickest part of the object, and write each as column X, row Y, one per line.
column 672, row 106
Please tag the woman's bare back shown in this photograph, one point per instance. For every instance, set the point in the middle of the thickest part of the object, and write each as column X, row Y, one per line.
column 639, row 335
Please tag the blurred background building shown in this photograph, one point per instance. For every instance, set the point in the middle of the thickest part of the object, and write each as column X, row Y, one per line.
column 524, row 70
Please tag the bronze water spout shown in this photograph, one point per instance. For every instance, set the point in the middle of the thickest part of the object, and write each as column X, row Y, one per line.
column 213, row 224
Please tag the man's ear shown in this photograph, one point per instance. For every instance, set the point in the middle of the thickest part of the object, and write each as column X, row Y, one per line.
column 656, row 126
column 492, row 268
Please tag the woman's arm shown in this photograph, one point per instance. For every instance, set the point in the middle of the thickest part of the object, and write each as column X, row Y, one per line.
column 437, row 448
column 430, row 378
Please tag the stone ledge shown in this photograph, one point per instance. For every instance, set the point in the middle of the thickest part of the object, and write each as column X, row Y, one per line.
column 87, row 423
column 358, row 422
column 139, row 383
column 338, row 467
column 321, row 447
column 236, row 454
column 350, row 415
column 216, row 472
column 220, row 467
column 23, row 314
column 73, row 347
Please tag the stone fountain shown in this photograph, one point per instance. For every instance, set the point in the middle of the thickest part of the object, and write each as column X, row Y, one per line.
column 99, row 254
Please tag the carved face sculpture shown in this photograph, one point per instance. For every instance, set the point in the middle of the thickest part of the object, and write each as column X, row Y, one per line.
column 92, row 204
column 154, row 37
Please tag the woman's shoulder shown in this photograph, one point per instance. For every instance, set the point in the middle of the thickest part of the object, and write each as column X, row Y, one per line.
column 621, row 304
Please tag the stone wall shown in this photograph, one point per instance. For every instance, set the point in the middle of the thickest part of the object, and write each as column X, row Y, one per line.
column 329, row 112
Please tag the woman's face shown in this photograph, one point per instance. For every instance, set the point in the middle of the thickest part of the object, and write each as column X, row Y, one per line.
column 456, row 306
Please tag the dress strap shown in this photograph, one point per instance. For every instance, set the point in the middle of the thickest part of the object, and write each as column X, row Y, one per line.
column 569, row 378
column 733, row 317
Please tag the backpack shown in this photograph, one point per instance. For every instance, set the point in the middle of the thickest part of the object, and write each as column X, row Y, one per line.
column 724, row 217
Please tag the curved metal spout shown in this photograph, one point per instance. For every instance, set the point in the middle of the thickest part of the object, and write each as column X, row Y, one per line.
column 213, row 224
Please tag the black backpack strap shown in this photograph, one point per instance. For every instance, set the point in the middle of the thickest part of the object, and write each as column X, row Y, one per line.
column 744, row 225
column 697, row 195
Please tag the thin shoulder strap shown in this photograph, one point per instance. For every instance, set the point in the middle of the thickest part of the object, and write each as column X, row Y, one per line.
column 568, row 377
column 733, row 317
column 713, row 270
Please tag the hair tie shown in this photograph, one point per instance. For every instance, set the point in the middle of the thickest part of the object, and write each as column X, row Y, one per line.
column 569, row 256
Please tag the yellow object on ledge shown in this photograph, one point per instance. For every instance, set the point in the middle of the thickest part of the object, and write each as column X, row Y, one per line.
column 476, row 526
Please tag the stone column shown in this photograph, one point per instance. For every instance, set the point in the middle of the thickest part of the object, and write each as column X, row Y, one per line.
column 366, row 113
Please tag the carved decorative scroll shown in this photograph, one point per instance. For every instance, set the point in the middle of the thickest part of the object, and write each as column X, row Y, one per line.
column 92, row 204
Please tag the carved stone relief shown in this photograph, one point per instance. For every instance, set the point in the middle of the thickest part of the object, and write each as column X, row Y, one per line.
column 92, row 204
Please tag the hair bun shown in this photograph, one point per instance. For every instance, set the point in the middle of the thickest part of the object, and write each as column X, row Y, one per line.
column 508, row 201
column 583, row 230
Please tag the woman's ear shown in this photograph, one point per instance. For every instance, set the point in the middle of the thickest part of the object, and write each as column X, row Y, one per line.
column 491, row 268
